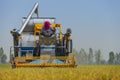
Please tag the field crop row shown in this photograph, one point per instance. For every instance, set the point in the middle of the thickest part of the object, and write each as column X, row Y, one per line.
column 78, row 73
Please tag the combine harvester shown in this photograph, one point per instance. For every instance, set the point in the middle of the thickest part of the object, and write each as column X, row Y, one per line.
column 33, row 49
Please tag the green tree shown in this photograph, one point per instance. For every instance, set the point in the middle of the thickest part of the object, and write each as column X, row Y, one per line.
column 3, row 59
column 1, row 52
column 117, row 58
column 103, row 61
column 90, row 56
column 111, row 58
column 98, row 56
column 82, row 57
column 75, row 52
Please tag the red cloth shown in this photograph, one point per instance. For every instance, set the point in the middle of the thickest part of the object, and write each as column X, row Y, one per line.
column 47, row 25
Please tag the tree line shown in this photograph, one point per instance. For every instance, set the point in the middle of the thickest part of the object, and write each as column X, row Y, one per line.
column 82, row 57
column 3, row 56
column 95, row 57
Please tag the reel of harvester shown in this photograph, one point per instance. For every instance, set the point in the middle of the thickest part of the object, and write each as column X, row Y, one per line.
column 33, row 49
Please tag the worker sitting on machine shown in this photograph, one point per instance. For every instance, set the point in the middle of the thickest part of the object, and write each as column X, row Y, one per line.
column 47, row 30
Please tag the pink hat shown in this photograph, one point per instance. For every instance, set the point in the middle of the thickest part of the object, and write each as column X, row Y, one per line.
column 47, row 25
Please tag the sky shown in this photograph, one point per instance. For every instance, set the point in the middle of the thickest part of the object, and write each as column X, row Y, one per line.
column 94, row 23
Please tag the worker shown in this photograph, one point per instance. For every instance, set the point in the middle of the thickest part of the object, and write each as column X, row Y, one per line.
column 47, row 30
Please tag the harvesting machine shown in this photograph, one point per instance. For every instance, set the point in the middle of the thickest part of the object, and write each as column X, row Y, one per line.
column 32, row 49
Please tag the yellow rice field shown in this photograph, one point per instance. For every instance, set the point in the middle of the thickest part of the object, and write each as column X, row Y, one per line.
column 79, row 73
